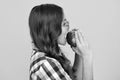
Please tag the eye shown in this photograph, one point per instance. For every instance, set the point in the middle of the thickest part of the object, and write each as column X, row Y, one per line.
column 64, row 24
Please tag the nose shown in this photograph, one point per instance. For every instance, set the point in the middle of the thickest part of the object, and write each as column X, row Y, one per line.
column 66, row 22
column 67, row 25
column 68, row 28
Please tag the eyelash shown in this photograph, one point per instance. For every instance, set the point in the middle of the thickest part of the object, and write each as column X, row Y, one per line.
column 64, row 24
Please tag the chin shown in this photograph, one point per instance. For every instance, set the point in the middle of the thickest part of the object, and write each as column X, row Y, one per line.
column 62, row 43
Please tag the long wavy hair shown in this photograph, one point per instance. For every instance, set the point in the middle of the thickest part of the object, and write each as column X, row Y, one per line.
column 45, row 27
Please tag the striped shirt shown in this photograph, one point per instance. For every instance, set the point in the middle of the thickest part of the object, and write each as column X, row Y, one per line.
column 46, row 68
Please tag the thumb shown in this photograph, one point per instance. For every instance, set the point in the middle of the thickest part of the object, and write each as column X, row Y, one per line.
column 73, row 48
column 76, row 50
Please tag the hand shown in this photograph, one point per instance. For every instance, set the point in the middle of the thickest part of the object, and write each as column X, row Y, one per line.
column 82, row 47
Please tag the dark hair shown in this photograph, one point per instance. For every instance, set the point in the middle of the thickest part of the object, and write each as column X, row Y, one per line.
column 45, row 27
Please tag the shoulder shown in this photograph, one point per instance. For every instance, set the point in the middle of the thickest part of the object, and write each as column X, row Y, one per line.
column 47, row 68
column 53, row 70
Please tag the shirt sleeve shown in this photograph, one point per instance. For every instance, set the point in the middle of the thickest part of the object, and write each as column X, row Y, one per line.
column 51, row 69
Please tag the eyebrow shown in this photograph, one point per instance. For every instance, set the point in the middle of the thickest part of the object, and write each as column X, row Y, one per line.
column 64, row 19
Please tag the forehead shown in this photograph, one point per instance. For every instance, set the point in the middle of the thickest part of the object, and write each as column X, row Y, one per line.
column 64, row 19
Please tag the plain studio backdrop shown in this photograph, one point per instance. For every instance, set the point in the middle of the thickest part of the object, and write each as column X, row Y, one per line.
column 99, row 20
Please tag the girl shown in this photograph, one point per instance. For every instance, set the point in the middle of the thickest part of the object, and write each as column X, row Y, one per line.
column 48, row 29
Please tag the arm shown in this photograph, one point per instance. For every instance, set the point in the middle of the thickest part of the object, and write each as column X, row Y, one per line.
column 87, row 67
column 83, row 64
column 77, row 67
column 83, row 67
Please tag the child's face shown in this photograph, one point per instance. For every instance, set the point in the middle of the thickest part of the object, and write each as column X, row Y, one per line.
column 65, row 29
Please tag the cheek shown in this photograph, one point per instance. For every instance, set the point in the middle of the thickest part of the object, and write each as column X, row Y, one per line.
column 65, row 30
column 62, row 39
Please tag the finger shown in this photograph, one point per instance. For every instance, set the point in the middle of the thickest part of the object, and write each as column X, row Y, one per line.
column 78, row 42
column 80, row 38
column 83, row 39
column 76, row 50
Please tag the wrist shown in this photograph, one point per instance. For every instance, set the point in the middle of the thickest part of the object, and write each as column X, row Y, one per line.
column 84, row 54
column 87, row 59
